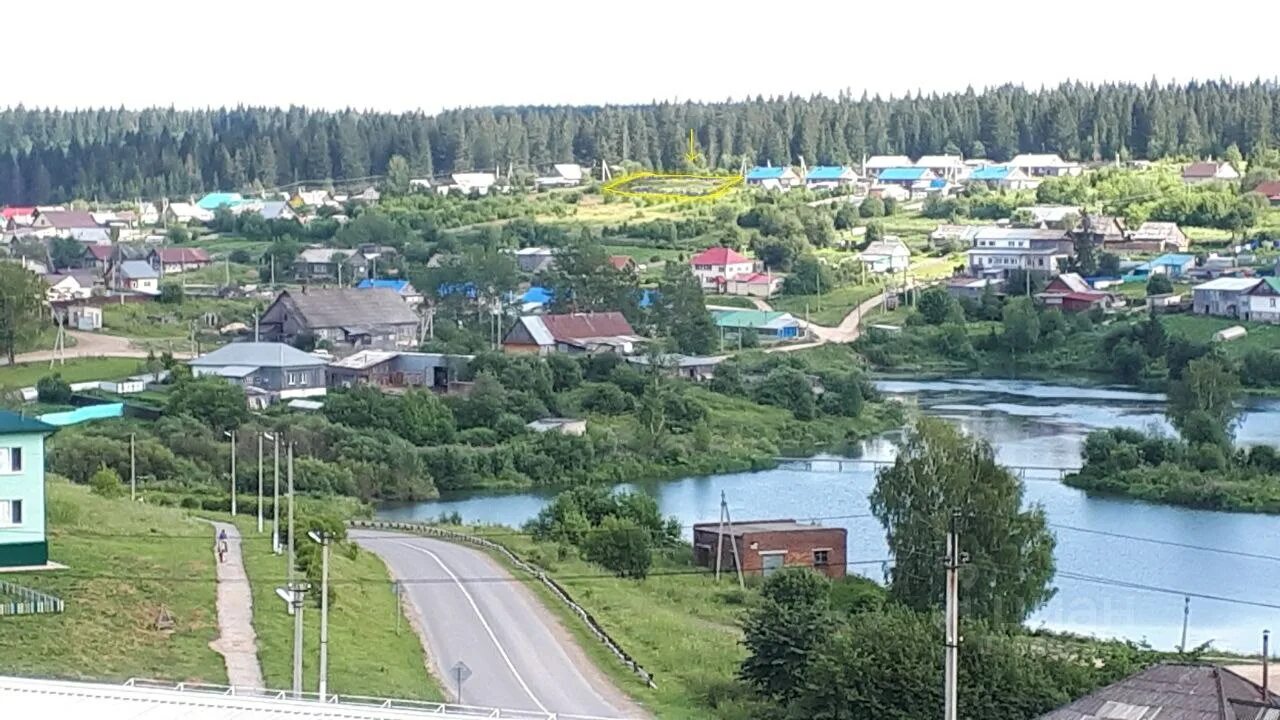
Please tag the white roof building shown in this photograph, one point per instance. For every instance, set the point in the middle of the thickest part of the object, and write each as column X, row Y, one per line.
column 883, row 162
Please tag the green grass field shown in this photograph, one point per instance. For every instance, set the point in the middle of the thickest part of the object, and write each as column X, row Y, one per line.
column 73, row 370
column 160, row 321
column 125, row 562
column 216, row 274
column 367, row 655
column 1200, row 328
column 829, row 308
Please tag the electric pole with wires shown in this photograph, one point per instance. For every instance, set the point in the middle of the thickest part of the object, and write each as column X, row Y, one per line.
column 952, row 562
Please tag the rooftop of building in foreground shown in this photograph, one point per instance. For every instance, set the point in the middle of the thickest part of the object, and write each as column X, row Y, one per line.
column 158, row 700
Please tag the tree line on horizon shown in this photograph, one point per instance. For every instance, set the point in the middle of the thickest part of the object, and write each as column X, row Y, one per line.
column 117, row 154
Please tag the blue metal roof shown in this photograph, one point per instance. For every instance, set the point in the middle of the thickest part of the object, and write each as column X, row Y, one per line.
column 536, row 294
column 215, row 200
column 648, row 297
column 826, row 172
column 765, row 173
column 903, row 173
column 396, row 285
column 1173, row 259
column 938, row 183
column 990, row 172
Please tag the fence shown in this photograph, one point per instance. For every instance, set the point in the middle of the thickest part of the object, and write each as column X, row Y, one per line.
column 561, row 594
column 28, row 602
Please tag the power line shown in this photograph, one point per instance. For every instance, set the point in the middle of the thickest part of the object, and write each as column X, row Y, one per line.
column 1170, row 543
column 1167, row 591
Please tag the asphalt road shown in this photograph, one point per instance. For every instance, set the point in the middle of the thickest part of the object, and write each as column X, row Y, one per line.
column 471, row 609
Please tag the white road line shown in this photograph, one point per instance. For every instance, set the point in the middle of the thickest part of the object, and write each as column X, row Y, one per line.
column 485, row 623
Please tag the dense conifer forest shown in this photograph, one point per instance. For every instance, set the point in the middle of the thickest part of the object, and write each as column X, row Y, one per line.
column 52, row 155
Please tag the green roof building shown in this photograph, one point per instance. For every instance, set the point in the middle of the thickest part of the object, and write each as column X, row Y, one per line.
column 772, row 324
column 23, row 540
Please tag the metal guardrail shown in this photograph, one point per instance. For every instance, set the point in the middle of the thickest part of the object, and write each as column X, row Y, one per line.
column 355, row 701
column 537, row 572
column 29, row 602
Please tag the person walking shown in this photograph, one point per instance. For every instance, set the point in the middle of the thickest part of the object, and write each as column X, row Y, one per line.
column 221, row 546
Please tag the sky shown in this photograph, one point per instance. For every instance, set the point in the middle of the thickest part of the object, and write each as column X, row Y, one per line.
column 437, row 54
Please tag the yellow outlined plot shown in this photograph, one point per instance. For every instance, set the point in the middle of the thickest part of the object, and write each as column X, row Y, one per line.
column 672, row 187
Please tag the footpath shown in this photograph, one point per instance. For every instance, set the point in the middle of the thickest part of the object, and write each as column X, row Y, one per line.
column 236, row 643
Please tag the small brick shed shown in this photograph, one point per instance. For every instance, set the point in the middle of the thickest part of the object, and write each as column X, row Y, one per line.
column 767, row 545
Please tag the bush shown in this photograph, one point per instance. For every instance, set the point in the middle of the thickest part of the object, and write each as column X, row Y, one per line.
column 872, row 207
column 53, row 389
column 171, row 294
column 190, row 502
column 606, row 398
column 621, row 546
column 106, row 483
column 1159, row 285
column 240, row 256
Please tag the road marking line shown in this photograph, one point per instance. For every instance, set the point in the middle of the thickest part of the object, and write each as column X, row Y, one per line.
column 485, row 623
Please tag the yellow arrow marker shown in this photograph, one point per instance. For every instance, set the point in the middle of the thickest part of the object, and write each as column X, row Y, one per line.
column 692, row 154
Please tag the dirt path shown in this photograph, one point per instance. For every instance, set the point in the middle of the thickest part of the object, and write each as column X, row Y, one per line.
column 236, row 642
column 88, row 344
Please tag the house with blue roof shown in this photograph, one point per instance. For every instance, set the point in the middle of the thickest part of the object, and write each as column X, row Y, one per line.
column 23, row 536
column 829, row 176
column 773, row 178
column 907, row 177
column 1002, row 176
column 1174, row 265
column 215, row 200
column 403, row 288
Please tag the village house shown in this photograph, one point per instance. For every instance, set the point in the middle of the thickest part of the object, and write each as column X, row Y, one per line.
column 275, row 210
column 303, row 198
column 953, row 235
column 764, row 547
column 564, row 426
column 23, row 542
column 175, row 260
column 623, row 263
column 1070, row 293
column 876, row 164
column 344, row 318
column 1269, row 190
column 772, row 178
column 268, row 371
column 1223, row 297
column 1057, row 217
column 329, row 264
column 947, row 167
column 535, row 259
column 1099, row 230
column 1175, row 691
column 1209, row 172
column 403, row 288
column 886, row 256
column 185, row 214
column 572, row 333
column 473, row 183
column 1044, row 165
column 1002, row 176
column 714, row 266
column 766, row 325
column 998, row 250
column 1175, row 265
column 1264, row 301
column 136, row 276
column 89, row 236
column 688, row 367
column 214, row 200
column 71, row 285
column 562, row 175
column 97, row 257
column 387, row 369
column 1153, row 236
column 913, row 179
column 64, row 221
column 16, row 217
column 826, row 177
column 753, row 284
column 973, row 288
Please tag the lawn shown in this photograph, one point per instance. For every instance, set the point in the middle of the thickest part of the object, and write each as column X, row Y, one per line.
column 73, row 370
column 125, row 563
column 224, row 245
column 161, row 321
column 216, row 274
column 369, row 653
column 1200, row 328
column 829, row 308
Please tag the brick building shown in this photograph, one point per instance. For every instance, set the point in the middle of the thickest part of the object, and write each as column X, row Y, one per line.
column 767, row 545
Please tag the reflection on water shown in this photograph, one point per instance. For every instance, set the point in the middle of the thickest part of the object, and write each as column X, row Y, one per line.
column 1031, row 424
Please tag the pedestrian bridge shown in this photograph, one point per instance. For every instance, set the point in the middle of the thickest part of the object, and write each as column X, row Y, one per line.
column 836, row 464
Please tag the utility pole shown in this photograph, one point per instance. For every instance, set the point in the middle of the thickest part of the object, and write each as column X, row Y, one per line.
column 298, row 591
column 1266, row 665
column 726, row 526
column 232, row 435
column 1186, row 615
column 275, row 501
column 133, row 472
column 324, row 539
column 259, row 483
column 952, row 562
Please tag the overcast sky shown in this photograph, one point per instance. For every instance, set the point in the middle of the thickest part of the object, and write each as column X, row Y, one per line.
column 434, row 54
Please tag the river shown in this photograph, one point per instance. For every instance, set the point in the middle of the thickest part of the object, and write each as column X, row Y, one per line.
column 1030, row 424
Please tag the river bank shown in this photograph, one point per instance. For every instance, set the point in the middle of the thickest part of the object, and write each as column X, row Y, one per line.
column 1030, row 424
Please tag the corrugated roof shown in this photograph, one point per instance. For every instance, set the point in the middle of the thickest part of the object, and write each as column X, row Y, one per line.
column 394, row 285
column 138, row 270
column 1228, row 284
column 15, row 424
column 578, row 326
column 754, row 319
column 537, row 330
column 215, row 200
column 940, row 161
column 1174, row 259
column 1201, row 170
column 990, row 172
column 719, row 256
column 766, row 173
column 67, row 219
column 886, row 248
column 904, row 173
column 324, row 255
column 182, row 255
column 346, row 307
column 829, row 172
column 1173, row 691
column 1039, row 160
column 256, row 355
column 887, row 161
column 365, row 359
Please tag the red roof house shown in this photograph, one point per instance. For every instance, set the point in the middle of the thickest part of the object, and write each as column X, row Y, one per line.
column 714, row 266
column 176, row 260
column 1270, row 190
column 571, row 332
column 1071, row 293
column 622, row 262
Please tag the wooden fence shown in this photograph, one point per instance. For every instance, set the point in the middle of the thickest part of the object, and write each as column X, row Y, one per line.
column 556, row 589
column 27, row 602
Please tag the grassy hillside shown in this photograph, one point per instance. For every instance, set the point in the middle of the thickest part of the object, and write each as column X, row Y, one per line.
column 73, row 370
column 124, row 563
column 1200, row 328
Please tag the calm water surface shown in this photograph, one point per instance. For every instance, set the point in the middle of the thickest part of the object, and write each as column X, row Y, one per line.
column 1029, row 423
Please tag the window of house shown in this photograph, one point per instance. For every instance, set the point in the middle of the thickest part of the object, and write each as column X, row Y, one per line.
column 10, row 460
column 1273, row 302
column 821, row 558
column 10, row 512
column 297, row 377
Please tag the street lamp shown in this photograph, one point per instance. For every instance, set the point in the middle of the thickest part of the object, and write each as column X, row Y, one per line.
column 324, row 539
column 275, row 496
column 232, row 434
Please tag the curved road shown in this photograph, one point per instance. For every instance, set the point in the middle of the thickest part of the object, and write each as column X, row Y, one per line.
column 471, row 609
